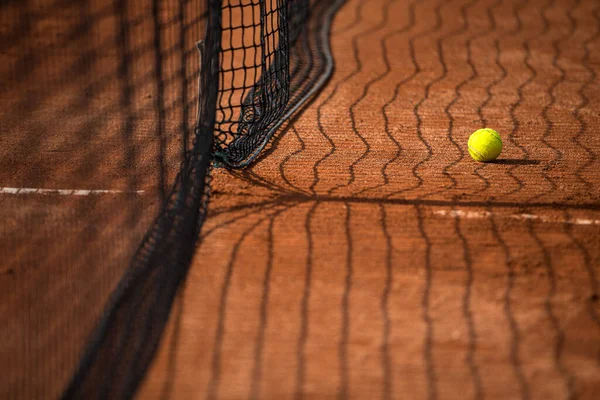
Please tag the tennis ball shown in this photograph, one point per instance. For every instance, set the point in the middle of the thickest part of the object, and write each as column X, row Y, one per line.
column 485, row 145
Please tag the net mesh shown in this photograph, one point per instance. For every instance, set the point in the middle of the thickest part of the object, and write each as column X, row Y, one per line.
column 103, row 181
column 113, row 112
column 274, row 56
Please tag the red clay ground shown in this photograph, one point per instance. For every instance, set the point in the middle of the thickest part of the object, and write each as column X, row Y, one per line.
column 365, row 255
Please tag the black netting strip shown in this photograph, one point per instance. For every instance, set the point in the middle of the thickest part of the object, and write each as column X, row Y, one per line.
column 126, row 337
column 290, row 74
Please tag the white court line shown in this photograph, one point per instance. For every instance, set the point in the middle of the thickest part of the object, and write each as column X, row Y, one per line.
column 540, row 218
column 63, row 192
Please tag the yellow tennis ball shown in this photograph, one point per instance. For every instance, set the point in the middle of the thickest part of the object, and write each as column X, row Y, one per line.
column 485, row 145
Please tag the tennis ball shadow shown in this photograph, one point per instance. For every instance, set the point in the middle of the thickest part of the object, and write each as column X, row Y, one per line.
column 512, row 161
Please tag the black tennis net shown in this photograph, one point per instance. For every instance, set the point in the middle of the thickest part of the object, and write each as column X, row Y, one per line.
column 269, row 70
column 114, row 113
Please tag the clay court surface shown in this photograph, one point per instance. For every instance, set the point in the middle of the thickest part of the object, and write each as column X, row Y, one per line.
column 365, row 255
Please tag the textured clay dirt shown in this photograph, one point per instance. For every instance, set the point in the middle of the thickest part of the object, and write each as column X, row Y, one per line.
column 367, row 256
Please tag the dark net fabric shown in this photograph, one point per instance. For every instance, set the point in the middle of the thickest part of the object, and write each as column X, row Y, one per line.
column 102, row 186
column 274, row 57
column 112, row 112
column 128, row 333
